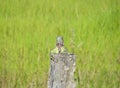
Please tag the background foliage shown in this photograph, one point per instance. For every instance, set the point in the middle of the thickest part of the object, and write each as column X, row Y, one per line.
column 28, row 30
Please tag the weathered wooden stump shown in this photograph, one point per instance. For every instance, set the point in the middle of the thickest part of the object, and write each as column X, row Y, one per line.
column 61, row 74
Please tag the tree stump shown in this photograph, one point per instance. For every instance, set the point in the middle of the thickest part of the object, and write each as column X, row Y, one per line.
column 61, row 74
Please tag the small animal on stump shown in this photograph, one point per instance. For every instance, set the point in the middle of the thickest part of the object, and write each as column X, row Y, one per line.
column 62, row 67
column 59, row 46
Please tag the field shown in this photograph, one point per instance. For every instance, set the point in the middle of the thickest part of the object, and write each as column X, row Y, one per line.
column 28, row 30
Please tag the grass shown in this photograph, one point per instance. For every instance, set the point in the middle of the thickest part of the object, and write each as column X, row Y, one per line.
column 28, row 31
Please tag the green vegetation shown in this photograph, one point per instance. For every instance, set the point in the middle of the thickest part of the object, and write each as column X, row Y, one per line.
column 28, row 30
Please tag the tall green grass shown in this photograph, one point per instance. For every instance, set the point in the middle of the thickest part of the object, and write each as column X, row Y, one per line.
column 28, row 30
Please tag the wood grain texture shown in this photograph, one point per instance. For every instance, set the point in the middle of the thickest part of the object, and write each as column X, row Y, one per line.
column 61, row 74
